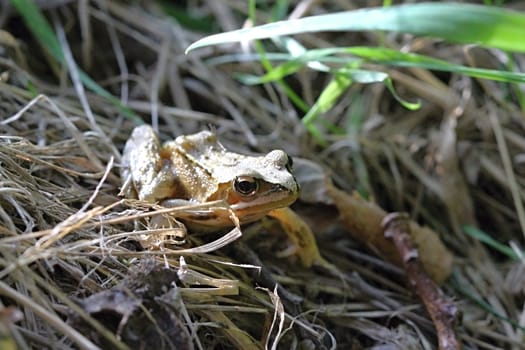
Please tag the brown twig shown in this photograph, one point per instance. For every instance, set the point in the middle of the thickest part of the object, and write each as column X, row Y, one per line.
column 441, row 310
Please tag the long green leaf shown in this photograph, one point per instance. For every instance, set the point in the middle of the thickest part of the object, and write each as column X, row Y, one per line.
column 400, row 59
column 455, row 22
column 375, row 55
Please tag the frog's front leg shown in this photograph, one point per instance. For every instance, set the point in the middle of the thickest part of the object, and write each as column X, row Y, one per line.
column 301, row 236
column 152, row 178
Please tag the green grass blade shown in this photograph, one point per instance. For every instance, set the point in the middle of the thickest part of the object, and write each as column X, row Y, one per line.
column 187, row 19
column 293, row 63
column 376, row 55
column 474, row 297
column 396, row 58
column 454, row 22
column 292, row 95
column 39, row 26
column 325, row 101
column 485, row 238
column 412, row 106
column 363, row 76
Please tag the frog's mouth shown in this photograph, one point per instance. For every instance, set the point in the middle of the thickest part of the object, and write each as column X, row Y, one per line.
column 245, row 211
column 246, row 208
column 276, row 196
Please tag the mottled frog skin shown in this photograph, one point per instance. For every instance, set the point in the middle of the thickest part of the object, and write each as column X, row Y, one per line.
column 198, row 169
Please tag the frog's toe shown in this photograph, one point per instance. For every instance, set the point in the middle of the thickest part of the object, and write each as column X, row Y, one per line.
column 165, row 231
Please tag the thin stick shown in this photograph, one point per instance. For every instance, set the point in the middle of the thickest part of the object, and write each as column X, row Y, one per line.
column 441, row 310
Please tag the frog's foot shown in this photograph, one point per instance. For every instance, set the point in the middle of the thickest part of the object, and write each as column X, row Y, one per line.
column 165, row 232
column 302, row 238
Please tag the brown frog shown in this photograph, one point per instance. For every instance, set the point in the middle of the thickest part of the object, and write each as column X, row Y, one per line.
column 198, row 169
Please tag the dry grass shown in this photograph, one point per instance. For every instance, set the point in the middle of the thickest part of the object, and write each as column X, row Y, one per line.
column 68, row 260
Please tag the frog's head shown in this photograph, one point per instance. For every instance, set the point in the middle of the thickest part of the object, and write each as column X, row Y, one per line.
column 251, row 185
column 257, row 184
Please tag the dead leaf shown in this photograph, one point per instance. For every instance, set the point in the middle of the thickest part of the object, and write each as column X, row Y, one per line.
column 363, row 220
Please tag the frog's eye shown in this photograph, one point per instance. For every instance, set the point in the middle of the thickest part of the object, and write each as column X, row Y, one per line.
column 246, row 185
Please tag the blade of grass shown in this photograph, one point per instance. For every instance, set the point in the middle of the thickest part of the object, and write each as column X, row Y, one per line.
column 292, row 95
column 357, row 113
column 326, row 100
column 456, row 284
column 511, row 66
column 454, row 22
column 396, row 58
column 280, row 9
column 39, row 26
column 187, row 19
column 408, row 105
column 491, row 242
column 342, row 80
column 376, row 55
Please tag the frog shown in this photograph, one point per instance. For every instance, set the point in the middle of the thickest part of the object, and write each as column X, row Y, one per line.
column 197, row 168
